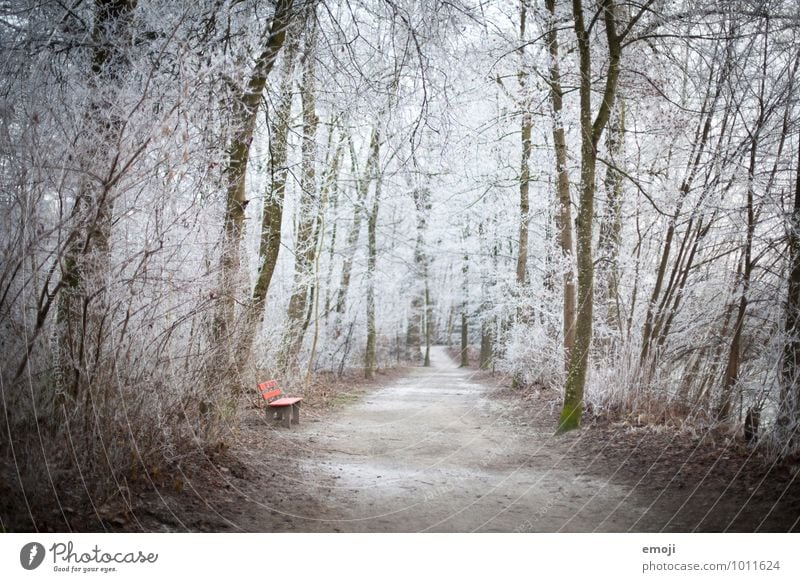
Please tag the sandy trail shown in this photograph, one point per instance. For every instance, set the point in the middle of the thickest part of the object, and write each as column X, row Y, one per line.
column 430, row 452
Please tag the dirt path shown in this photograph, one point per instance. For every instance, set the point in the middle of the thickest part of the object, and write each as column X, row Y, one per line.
column 439, row 449
column 446, row 449
column 430, row 452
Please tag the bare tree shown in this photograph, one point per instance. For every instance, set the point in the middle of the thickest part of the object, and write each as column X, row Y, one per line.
column 592, row 127
column 245, row 113
column 564, row 213
column 308, row 211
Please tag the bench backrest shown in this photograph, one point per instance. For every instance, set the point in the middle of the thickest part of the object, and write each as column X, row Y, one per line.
column 266, row 393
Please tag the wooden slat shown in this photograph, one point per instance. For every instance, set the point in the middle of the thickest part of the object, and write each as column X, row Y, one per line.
column 285, row 401
column 267, row 385
column 270, row 394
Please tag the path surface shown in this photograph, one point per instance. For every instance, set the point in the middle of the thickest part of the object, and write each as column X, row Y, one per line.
column 430, row 452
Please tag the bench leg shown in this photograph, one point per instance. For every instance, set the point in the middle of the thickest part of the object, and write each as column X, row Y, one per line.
column 296, row 413
column 287, row 416
column 278, row 414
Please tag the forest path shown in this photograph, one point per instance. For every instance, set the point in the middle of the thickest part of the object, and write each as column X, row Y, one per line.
column 431, row 452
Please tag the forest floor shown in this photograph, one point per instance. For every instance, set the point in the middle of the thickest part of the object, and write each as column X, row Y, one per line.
column 447, row 449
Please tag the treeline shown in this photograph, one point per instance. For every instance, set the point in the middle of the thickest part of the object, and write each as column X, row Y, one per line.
column 652, row 272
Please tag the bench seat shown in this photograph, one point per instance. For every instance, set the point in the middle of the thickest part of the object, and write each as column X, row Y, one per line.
column 284, row 401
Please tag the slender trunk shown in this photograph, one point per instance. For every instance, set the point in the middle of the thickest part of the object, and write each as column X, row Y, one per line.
column 526, row 125
column 789, row 405
column 362, row 187
column 524, row 206
column 244, row 120
column 465, row 306
column 313, row 308
column 334, row 204
column 591, row 132
column 486, row 346
column 464, row 340
column 449, row 330
column 426, row 361
column 564, row 215
column 272, row 211
column 486, row 318
column 611, row 223
column 372, row 264
column 308, row 215
column 329, row 177
column 636, row 272
column 421, row 308
column 731, row 376
column 415, row 327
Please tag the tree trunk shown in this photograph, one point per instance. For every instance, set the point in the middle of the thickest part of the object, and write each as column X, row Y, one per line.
column 464, row 340
column 611, row 223
column 526, row 125
column 486, row 346
column 421, row 308
column 465, row 303
column 372, row 264
column 564, row 215
column 789, row 405
column 272, row 211
column 591, row 132
column 734, row 356
column 308, row 212
column 426, row 360
column 362, row 187
column 334, row 204
column 245, row 114
column 329, row 178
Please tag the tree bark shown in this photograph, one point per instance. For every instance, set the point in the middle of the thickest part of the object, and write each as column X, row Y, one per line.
column 362, row 188
column 426, row 358
column 272, row 211
column 731, row 376
column 789, row 405
column 421, row 308
column 308, row 212
column 526, row 125
column 245, row 113
column 487, row 340
column 372, row 264
column 564, row 214
column 611, row 223
column 465, row 304
column 591, row 132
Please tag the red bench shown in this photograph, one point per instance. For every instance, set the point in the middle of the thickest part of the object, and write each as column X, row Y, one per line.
column 286, row 409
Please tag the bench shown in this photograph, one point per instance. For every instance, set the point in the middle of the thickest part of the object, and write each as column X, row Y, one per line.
column 286, row 409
